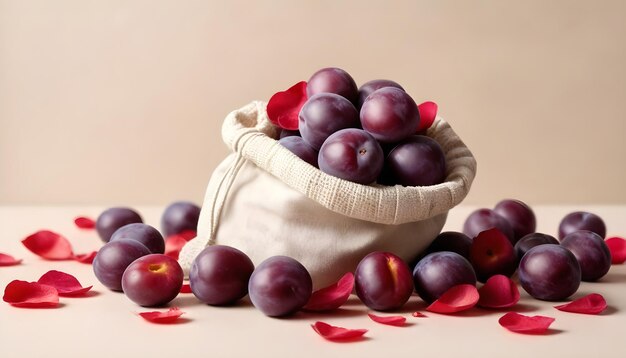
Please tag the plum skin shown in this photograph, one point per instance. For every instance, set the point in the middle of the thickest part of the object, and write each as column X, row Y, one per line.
column 519, row 215
column 484, row 219
column 280, row 286
column 371, row 86
column 112, row 260
column 439, row 271
column 591, row 251
column 178, row 217
column 153, row 280
column 114, row 218
column 351, row 154
column 300, row 148
column 416, row 161
column 390, row 115
column 581, row 220
column 333, row 80
column 452, row 241
column 549, row 272
column 145, row 234
column 383, row 281
column 531, row 240
column 324, row 114
column 219, row 275
column 491, row 254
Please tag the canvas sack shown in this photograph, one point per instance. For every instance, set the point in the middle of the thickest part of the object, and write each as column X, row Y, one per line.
column 265, row 201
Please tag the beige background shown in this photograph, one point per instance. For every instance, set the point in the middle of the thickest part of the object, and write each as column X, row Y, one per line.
column 120, row 102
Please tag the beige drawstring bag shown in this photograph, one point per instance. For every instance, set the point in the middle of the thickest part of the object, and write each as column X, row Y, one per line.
column 265, row 201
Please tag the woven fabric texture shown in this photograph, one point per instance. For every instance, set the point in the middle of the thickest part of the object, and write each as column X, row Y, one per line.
column 266, row 201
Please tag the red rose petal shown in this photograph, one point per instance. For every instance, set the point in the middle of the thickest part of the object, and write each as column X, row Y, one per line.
column 65, row 284
column 84, row 222
column 498, row 292
column 49, row 245
column 86, row 258
column 593, row 303
column 169, row 316
column 283, row 108
column 173, row 245
column 520, row 323
column 30, row 295
column 428, row 113
column 456, row 299
column 8, row 260
column 388, row 320
column 418, row 314
column 185, row 288
column 187, row 234
column 617, row 246
column 333, row 296
column 334, row 333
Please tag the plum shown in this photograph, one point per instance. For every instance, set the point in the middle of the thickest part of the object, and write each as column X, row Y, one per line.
column 491, row 254
column 178, row 217
column 416, row 161
column 152, row 280
column 531, row 240
column 145, row 234
column 300, row 148
column 333, row 80
column 114, row 218
column 280, row 286
column 113, row 258
column 581, row 220
column 439, row 271
column 484, row 219
column 324, row 114
column 519, row 215
column 452, row 241
column 389, row 115
column 351, row 154
column 219, row 275
column 383, row 281
column 591, row 251
column 549, row 272
column 369, row 87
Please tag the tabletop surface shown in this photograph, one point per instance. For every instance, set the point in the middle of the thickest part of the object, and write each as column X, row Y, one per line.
column 105, row 323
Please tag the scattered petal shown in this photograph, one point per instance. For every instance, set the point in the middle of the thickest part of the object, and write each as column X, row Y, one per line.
column 65, row 284
column 49, row 245
column 498, row 292
column 84, row 222
column 333, row 296
column 418, row 314
column 593, row 303
column 283, row 108
column 8, row 260
column 335, row 333
column 173, row 245
column 617, row 246
column 169, row 316
column 185, row 288
column 456, row 299
column 30, row 295
column 86, row 258
column 520, row 323
column 428, row 113
column 388, row 320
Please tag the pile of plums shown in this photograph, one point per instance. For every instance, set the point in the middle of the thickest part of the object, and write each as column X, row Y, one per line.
column 495, row 241
column 133, row 260
column 503, row 240
column 364, row 135
column 548, row 269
